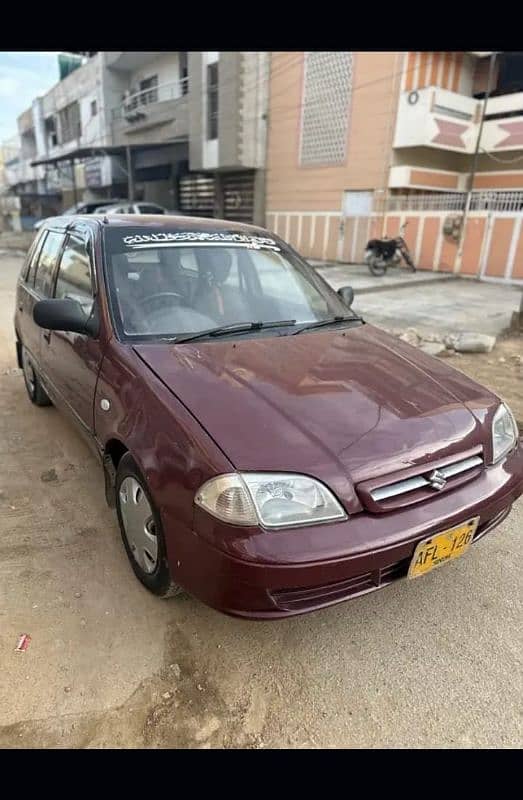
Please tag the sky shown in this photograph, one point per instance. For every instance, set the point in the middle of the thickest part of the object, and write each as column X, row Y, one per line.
column 23, row 76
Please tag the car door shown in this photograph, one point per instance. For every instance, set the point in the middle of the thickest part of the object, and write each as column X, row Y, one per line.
column 37, row 286
column 28, row 333
column 70, row 361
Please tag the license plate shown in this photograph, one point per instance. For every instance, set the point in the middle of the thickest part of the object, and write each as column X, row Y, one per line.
column 442, row 547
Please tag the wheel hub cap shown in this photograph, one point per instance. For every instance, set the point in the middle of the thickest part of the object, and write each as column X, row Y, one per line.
column 29, row 373
column 138, row 523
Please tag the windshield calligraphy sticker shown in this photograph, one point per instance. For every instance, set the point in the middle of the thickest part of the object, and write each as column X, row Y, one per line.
column 144, row 240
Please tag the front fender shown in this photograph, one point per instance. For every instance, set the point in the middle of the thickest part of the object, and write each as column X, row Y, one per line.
column 171, row 448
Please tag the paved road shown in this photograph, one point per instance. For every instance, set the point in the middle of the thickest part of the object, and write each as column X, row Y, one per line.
column 432, row 662
column 427, row 300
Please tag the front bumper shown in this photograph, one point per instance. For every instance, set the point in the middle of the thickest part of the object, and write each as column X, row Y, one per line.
column 263, row 582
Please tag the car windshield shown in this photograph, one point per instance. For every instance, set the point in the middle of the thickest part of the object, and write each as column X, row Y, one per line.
column 172, row 284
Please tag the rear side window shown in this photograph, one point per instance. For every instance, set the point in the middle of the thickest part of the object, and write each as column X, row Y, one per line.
column 121, row 210
column 74, row 274
column 47, row 262
column 149, row 208
column 32, row 261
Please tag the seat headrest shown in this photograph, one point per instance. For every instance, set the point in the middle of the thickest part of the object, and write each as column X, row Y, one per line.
column 215, row 263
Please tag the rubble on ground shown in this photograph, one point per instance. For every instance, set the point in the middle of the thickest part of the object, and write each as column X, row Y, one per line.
column 474, row 343
column 433, row 348
column 445, row 345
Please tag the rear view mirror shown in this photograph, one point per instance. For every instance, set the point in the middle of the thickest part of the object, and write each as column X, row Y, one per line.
column 62, row 315
column 347, row 295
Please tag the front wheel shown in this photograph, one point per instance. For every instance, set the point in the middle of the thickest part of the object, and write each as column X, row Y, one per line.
column 141, row 529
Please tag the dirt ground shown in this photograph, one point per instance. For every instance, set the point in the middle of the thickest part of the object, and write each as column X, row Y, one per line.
column 429, row 663
column 501, row 370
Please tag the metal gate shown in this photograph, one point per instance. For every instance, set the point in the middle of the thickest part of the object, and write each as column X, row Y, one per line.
column 238, row 196
column 196, row 195
column 502, row 249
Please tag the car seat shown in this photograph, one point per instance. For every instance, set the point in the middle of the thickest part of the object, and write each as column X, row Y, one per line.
column 213, row 297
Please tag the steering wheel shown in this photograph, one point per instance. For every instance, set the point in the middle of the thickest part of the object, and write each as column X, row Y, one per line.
column 159, row 300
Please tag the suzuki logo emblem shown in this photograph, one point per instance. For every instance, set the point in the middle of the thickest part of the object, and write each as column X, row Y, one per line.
column 437, row 479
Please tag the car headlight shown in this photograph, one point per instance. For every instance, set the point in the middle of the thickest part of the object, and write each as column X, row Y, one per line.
column 270, row 499
column 504, row 432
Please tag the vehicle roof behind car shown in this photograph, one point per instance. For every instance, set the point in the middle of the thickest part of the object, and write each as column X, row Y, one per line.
column 174, row 222
column 158, row 222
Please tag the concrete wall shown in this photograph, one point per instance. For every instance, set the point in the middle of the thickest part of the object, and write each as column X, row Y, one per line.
column 492, row 242
column 252, row 108
column 228, row 109
column 196, row 117
column 242, row 105
column 449, row 70
column 84, row 85
column 374, row 98
column 166, row 67
column 113, row 86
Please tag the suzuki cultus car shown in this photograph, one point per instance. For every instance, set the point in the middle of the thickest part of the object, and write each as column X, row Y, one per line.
column 266, row 450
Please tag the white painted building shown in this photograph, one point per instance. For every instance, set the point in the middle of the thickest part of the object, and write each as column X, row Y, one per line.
column 186, row 130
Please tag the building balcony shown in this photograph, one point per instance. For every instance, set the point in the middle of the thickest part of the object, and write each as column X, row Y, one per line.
column 437, row 118
column 427, row 179
column 155, row 115
column 446, row 120
column 503, row 126
column 21, row 171
column 25, row 121
column 129, row 62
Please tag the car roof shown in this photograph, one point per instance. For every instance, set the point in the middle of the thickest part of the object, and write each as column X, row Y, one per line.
column 171, row 222
column 158, row 222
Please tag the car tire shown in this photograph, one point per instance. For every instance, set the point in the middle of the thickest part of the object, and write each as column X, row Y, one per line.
column 142, row 531
column 35, row 390
column 376, row 269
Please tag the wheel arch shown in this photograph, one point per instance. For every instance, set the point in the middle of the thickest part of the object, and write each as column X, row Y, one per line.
column 114, row 451
column 18, row 345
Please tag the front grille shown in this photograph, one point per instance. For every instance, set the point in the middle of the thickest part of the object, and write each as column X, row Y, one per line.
column 296, row 599
column 415, row 484
column 316, row 596
column 393, row 489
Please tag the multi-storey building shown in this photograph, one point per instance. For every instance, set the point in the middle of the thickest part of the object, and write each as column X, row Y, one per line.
column 186, row 130
column 58, row 137
column 360, row 143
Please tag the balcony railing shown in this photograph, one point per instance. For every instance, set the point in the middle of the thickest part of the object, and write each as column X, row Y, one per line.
column 135, row 102
column 454, row 201
column 437, row 201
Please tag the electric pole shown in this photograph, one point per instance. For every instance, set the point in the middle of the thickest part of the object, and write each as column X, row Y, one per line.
column 472, row 174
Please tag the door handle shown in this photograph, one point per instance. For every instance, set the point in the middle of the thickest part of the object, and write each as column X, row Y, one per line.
column 20, row 306
column 47, row 336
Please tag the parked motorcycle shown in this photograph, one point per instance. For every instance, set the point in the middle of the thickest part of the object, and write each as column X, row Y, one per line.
column 380, row 254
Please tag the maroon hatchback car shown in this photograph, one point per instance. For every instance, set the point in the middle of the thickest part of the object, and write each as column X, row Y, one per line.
column 266, row 450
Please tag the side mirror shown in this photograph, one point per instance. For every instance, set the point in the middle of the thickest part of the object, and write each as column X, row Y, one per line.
column 63, row 315
column 347, row 295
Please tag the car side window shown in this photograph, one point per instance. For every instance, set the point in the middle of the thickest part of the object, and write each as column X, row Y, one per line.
column 47, row 262
column 33, row 259
column 150, row 208
column 74, row 279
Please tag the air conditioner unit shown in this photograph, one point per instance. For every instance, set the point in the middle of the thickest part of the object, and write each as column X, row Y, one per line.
column 134, row 116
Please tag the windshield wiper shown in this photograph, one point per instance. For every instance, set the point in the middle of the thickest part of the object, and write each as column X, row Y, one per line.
column 239, row 327
column 331, row 321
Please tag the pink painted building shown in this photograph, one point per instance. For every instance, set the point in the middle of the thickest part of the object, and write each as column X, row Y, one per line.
column 359, row 143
